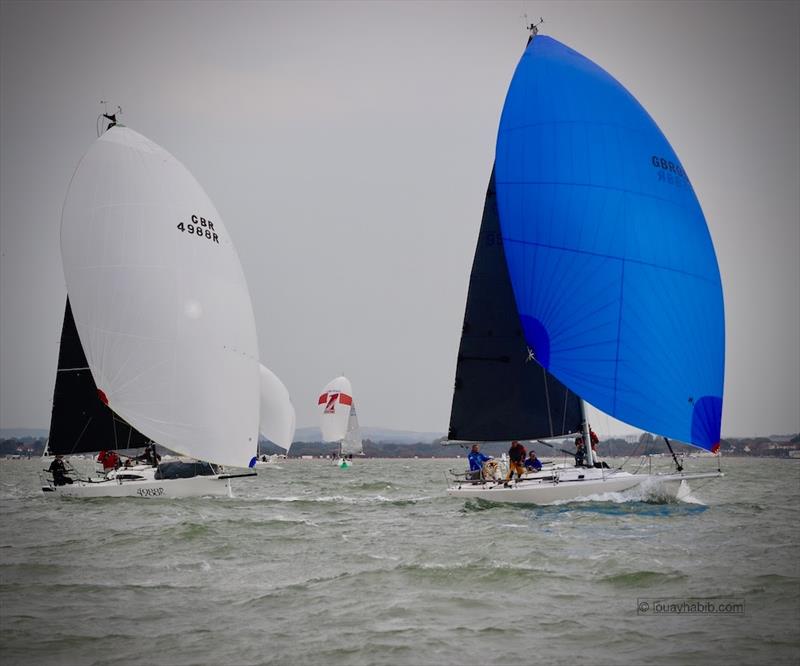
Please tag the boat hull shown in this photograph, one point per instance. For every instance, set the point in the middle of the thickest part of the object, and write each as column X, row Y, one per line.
column 541, row 489
column 140, row 481
column 199, row 486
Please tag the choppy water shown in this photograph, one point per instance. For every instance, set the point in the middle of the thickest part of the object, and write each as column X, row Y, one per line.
column 311, row 564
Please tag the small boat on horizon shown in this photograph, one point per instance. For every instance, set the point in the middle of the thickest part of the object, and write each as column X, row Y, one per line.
column 278, row 419
column 339, row 421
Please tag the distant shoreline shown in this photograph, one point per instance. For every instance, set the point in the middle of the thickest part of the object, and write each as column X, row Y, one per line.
column 784, row 447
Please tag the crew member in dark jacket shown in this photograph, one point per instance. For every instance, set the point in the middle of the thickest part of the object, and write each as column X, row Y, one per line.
column 516, row 460
column 59, row 471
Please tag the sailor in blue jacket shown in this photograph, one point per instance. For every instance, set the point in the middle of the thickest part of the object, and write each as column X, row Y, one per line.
column 476, row 460
column 532, row 463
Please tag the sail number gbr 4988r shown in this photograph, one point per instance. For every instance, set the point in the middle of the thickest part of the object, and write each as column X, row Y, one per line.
column 200, row 227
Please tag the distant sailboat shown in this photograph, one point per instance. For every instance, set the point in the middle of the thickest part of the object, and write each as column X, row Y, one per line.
column 278, row 419
column 338, row 420
column 594, row 279
column 159, row 341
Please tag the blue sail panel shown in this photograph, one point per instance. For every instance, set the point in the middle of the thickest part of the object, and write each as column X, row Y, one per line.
column 611, row 262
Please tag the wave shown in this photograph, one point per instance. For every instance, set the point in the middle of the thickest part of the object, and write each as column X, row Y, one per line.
column 612, row 504
column 344, row 499
column 650, row 491
column 642, row 578
column 370, row 485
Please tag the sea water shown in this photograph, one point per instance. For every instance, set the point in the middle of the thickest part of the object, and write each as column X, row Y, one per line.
column 375, row 564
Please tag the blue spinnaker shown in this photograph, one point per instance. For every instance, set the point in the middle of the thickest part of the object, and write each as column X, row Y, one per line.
column 611, row 262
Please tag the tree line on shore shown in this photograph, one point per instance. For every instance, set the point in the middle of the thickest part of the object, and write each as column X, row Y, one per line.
column 646, row 444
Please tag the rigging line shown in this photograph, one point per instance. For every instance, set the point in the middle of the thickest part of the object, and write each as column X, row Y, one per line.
column 547, row 400
column 77, row 441
column 634, row 452
column 567, row 394
column 674, row 457
column 555, row 448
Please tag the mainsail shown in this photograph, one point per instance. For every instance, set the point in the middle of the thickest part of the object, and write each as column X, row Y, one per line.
column 160, row 301
column 278, row 419
column 351, row 444
column 80, row 421
column 611, row 262
column 501, row 392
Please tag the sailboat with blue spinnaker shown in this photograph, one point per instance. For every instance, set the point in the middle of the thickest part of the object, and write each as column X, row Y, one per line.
column 594, row 281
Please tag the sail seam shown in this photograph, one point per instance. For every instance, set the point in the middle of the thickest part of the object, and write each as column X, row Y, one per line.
column 548, row 123
column 622, row 190
column 619, row 333
column 610, row 256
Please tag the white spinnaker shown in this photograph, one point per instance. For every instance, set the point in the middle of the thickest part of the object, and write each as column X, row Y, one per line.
column 278, row 417
column 351, row 444
column 334, row 406
column 160, row 300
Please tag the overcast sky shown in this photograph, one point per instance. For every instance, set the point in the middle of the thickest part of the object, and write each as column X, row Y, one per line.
column 348, row 146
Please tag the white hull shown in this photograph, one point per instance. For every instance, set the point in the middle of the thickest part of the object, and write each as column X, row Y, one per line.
column 547, row 487
column 146, row 486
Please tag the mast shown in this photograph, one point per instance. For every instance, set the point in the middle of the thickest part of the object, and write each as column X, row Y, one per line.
column 111, row 118
column 587, row 440
column 534, row 28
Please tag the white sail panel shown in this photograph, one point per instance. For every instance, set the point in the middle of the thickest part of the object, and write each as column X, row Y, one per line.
column 278, row 417
column 334, row 404
column 351, row 444
column 160, row 300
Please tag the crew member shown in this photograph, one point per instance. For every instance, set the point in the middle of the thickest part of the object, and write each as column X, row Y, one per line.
column 516, row 460
column 59, row 471
column 476, row 460
column 532, row 463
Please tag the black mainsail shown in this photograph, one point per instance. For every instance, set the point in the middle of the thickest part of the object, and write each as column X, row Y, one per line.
column 80, row 421
column 501, row 393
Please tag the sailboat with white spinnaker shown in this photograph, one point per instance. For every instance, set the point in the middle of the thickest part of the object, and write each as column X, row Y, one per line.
column 159, row 340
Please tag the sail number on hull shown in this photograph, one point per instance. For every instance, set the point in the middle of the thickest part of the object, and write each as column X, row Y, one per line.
column 200, row 227
column 150, row 492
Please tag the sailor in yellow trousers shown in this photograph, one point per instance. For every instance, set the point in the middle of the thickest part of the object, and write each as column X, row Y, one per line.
column 516, row 460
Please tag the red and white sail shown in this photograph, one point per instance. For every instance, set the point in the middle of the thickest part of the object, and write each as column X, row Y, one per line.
column 334, row 405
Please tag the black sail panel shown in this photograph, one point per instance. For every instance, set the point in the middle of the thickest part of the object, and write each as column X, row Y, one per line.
column 501, row 392
column 80, row 421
